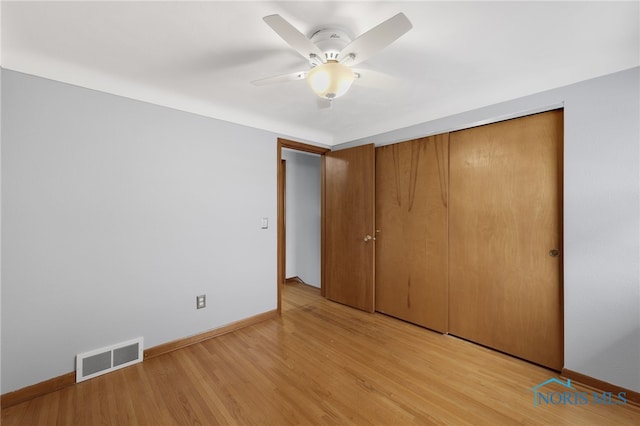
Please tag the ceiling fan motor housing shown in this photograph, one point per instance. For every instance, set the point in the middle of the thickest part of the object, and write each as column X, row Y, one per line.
column 330, row 41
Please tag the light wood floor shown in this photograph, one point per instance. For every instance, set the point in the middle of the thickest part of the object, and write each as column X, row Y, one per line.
column 320, row 363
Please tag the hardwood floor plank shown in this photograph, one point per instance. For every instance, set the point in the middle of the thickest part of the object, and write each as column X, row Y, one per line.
column 319, row 363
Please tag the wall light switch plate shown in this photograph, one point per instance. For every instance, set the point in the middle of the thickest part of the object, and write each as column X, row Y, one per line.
column 201, row 301
column 265, row 223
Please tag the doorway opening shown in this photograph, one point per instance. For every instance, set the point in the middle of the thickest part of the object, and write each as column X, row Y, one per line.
column 300, row 156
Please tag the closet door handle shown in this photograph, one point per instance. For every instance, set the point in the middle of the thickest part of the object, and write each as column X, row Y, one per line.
column 554, row 253
column 368, row 238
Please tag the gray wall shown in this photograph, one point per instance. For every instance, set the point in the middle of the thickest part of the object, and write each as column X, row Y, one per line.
column 115, row 215
column 601, row 215
column 303, row 216
column 0, row 217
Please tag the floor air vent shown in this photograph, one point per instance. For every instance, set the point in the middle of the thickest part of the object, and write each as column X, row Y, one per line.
column 100, row 361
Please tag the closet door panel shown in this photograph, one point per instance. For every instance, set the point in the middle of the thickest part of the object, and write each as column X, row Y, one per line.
column 505, row 234
column 411, row 245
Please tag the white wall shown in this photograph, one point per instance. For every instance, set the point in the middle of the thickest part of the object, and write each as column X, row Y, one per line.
column 601, row 216
column 303, row 216
column 115, row 215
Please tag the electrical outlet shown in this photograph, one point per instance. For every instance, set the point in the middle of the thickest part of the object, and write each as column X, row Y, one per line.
column 201, row 301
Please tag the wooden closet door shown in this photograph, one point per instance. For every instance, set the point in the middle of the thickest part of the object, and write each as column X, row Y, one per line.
column 506, row 237
column 411, row 216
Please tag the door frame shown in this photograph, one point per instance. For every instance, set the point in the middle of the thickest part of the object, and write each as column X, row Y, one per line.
column 296, row 146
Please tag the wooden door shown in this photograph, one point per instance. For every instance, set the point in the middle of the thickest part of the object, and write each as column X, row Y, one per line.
column 411, row 217
column 504, row 224
column 349, row 227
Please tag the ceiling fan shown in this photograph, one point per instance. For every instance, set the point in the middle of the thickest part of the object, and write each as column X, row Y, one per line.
column 331, row 54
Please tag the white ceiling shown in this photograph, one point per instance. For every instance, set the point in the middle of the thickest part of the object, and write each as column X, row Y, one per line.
column 201, row 56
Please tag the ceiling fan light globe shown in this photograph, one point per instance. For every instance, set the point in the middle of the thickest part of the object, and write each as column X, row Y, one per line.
column 330, row 80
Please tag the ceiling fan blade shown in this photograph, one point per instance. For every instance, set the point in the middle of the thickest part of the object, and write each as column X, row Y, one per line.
column 283, row 78
column 374, row 40
column 375, row 79
column 293, row 37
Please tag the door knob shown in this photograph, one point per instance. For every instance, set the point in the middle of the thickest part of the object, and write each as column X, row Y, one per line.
column 554, row 253
column 368, row 238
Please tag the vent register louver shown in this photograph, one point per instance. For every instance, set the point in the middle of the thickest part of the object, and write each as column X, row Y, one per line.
column 101, row 361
